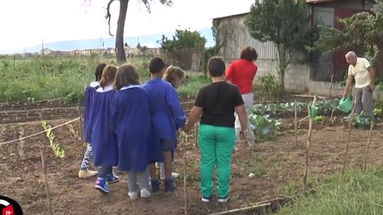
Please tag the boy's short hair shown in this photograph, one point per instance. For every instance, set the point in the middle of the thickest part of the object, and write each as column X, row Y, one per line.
column 98, row 74
column 156, row 65
column 216, row 66
column 249, row 53
column 126, row 75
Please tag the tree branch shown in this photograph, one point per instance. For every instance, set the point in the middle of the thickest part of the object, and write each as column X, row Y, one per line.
column 108, row 16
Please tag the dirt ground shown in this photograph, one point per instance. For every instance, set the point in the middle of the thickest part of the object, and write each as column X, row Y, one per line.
column 277, row 169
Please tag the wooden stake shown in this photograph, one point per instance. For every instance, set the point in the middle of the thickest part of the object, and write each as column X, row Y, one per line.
column 308, row 143
column 295, row 123
column 332, row 115
column 196, row 135
column 185, row 177
column 331, row 85
column 44, row 169
column 80, row 123
column 368, row 146
column 263, row 205
column 348, row 139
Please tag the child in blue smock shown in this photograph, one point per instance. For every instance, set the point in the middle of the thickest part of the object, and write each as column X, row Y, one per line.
column 133, row 118
column 167, row 116
column 103, row 138
column 88, row 102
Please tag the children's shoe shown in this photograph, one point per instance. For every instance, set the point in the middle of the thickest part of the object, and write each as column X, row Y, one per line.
column 133, row 195
column 112, row 178
column 175, row 174
column 169, row 185
column 206, row 199
column 86, row 173
column 144, row 193
column 223, row 200
column 155, row 185
column 102, row 185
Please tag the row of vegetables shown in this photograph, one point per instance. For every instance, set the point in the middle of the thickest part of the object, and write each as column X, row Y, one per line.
column 265, row 123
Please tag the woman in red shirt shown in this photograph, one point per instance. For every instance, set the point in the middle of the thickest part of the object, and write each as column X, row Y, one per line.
column 241, row 73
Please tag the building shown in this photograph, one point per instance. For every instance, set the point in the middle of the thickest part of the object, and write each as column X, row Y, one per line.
column 309, row 77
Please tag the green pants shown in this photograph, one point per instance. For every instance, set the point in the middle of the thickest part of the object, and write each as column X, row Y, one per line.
column 216, row 146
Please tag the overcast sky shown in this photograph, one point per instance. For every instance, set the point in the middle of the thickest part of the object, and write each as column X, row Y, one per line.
column 29, row 22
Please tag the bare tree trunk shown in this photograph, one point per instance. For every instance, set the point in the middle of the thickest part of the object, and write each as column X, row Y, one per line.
column 120, row 52
column 283, row 63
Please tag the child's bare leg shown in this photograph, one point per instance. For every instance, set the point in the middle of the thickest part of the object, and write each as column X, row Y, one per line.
column 168, row 164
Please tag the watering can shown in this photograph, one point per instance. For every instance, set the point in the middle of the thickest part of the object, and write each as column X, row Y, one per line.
column 314, row 111
column 345, row 105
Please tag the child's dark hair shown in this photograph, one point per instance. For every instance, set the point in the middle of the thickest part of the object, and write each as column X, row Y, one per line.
column 99, row 70
column 173, row 73
column 216, row 66
column 126, row 75
column 108, row 75
column 249, row 53
column 156, row 65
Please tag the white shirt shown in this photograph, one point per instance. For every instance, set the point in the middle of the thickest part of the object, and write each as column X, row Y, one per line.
column 360, row 72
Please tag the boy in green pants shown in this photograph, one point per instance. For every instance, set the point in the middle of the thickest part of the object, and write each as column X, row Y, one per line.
column 217, row 103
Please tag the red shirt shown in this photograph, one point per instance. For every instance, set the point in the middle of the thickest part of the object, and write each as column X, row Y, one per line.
column 241, row 73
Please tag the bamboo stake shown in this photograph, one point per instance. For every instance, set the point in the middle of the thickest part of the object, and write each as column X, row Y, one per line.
column 44, row 169
column 263, row 205
column 331, row 85
column 295, row 122
column 185, row 188
column 368, row 146
column 185, row 177
column 308, row 143
column 348, row 139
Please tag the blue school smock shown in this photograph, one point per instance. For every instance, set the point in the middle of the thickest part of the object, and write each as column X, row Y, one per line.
column 133, row 120
column 88, row 103
column 168, row 114
column 104, row 140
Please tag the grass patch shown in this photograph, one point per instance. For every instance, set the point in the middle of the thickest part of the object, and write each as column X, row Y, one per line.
column 356, row 192
column 191, row 87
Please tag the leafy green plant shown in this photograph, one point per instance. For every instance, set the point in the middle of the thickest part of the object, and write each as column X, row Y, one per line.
column 378, row 112
column 263, row 126
column 56, row 148
column 319, row 119
column 271, row 86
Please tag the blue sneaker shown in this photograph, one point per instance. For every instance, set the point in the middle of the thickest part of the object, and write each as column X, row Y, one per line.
column 102, row 185
column 155, row 185
column 112, row 178
column 170, row 186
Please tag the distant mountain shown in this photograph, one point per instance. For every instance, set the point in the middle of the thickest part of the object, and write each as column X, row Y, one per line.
column 147, row 40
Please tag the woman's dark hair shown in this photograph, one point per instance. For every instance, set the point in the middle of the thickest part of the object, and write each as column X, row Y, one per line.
column 249, row 53
column 216, row 66
column 173, row 73
column 126, row 75
column 99, row 70
column 108, row 75
column 156, row 65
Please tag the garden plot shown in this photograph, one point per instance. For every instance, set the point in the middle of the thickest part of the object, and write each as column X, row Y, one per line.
column 269, row 170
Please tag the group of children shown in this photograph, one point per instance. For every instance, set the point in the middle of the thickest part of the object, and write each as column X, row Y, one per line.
column 132, row 126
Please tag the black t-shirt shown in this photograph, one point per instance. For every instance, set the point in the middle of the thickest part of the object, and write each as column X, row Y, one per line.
column 218, row 101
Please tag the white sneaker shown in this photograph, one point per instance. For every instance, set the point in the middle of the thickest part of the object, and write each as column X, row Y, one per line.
column 133, row 195
column 175, row 174
column 86, row 173
column 144, row 193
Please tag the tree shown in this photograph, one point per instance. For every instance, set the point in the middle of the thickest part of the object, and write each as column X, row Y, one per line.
column 362, row 32
column 120, row 52
column 182, row 46
column 283, row 22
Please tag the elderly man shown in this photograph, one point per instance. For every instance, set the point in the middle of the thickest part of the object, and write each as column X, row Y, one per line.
column 364, row 74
